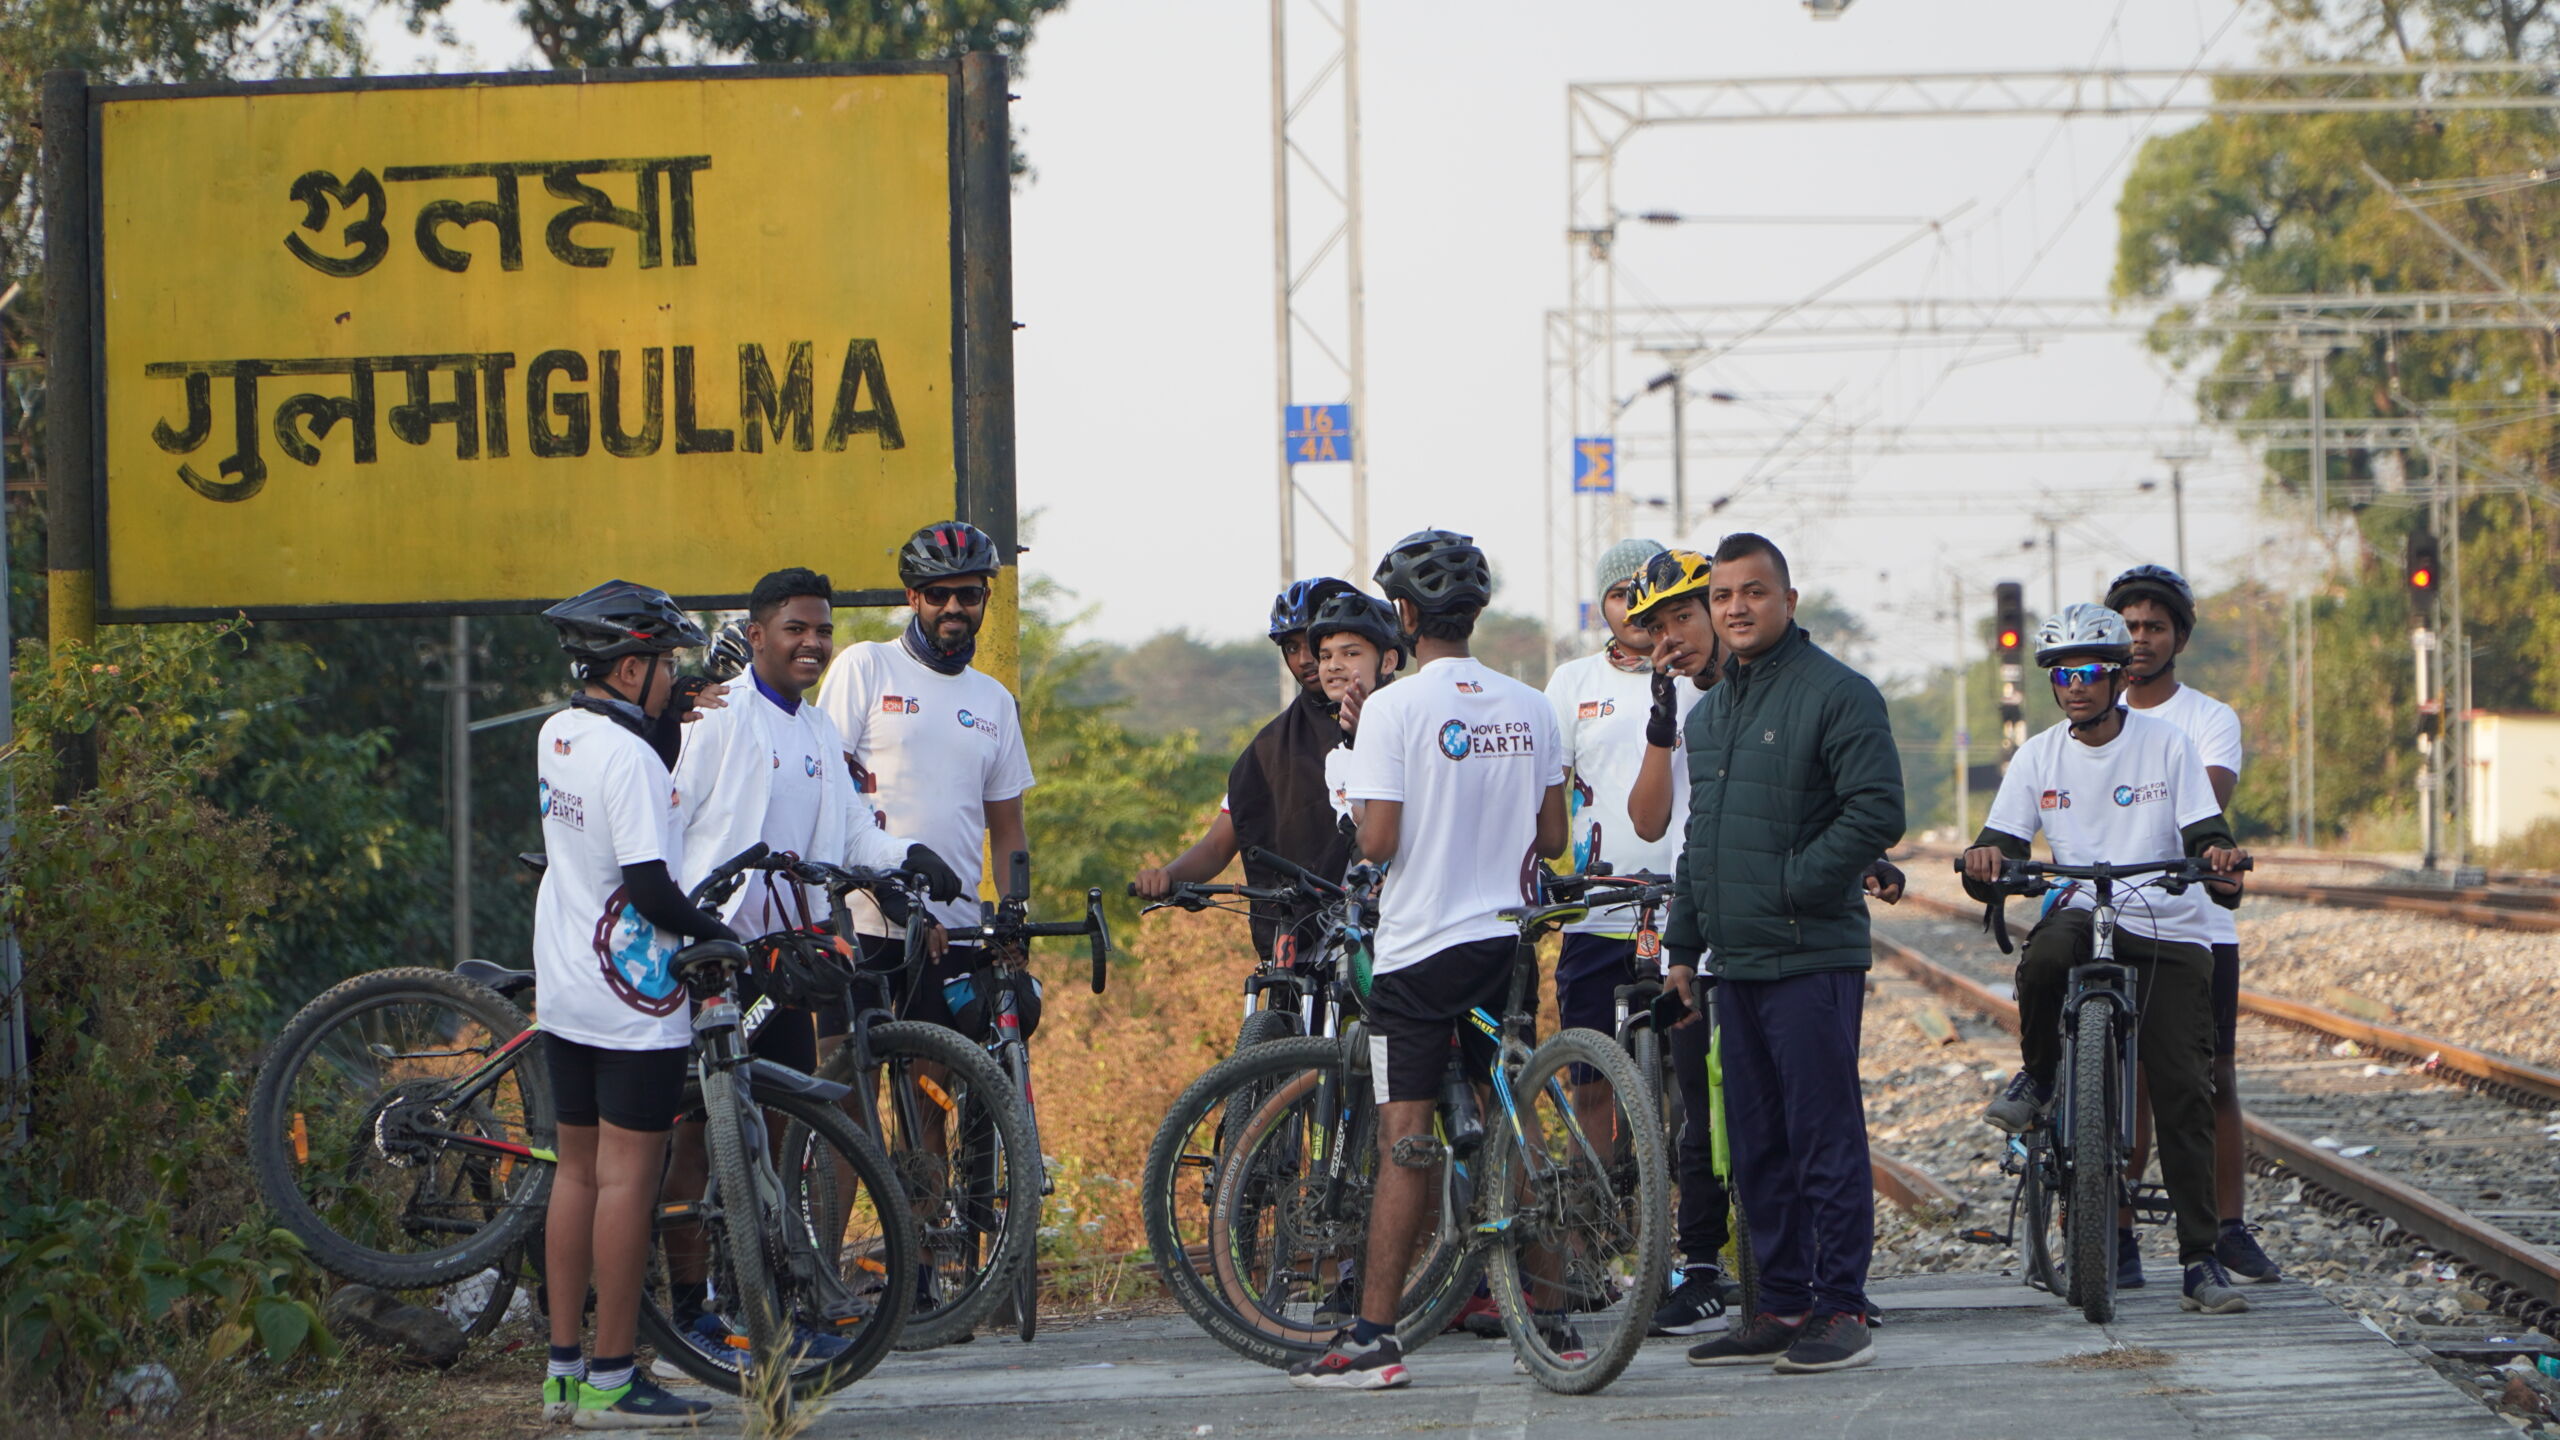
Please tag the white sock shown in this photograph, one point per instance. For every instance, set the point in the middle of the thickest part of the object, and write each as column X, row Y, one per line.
column 610, row 1379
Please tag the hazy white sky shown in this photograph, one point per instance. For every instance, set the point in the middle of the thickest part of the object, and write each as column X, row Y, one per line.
column 1142, row 256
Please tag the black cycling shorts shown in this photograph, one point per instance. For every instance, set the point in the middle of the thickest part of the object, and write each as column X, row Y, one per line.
column 1413, row 1013
column 629, row 1089
column 2226, row 1000
column 1588, row 973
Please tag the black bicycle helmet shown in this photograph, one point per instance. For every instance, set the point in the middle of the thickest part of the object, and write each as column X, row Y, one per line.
column 619, row 618
column 1366, row 616
column 1292, row 608
column 2160, row 584
column 1438, row 570
column 946, row 550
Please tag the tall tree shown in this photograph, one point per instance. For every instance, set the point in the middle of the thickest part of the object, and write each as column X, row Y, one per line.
column 2268, row 204
column 581, row 33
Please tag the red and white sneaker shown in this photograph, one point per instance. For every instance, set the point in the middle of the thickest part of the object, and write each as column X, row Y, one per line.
column 1350, row 1365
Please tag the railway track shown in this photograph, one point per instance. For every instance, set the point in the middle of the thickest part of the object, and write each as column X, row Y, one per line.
column 2450, row 1150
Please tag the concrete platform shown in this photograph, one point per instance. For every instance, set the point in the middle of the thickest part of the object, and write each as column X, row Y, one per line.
column 1958, row 1358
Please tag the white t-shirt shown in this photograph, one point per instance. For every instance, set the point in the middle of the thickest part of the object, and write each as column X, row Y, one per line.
column 930, row 753
column 1470, row 752
column 607, row 802
column 2120, row 803
column 790, row 812
column 2214, row 728
column 1600, row 719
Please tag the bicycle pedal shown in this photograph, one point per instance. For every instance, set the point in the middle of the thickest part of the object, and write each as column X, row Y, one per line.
column 2151, row 1206
column 1983, row 1236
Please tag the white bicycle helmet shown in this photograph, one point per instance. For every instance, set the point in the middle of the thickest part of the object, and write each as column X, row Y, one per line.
column 2083, row 631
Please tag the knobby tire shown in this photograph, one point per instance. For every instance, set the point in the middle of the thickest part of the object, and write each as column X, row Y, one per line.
column 2094, row 1166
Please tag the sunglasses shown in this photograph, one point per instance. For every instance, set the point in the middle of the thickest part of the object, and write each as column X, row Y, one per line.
column 939, row 595
column 2066, row 676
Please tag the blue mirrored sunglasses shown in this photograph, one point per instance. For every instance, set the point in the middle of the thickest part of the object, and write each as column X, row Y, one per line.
column 2066, row 676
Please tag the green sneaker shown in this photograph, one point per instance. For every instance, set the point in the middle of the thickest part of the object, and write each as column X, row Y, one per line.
column 559, row 1398
column 640, row 1405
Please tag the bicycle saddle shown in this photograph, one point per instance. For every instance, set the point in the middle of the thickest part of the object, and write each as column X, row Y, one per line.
column 497, row 977
column 536, row 861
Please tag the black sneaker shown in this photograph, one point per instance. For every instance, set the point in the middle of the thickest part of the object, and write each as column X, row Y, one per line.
column 1350, row 1365
column 641, row 1404
column 2209, row 1289
column 1341, row 1304
column 2128, row 1261
column 2237, row 1248
column 1696, row 1304
column 1762, row 1338
column 2021, row 1105
column 1828, row 1342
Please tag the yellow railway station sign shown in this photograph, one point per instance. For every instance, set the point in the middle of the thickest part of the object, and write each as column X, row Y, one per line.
column 470, row 343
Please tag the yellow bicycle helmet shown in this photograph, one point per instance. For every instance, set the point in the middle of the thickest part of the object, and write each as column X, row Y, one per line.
column 1667, row 576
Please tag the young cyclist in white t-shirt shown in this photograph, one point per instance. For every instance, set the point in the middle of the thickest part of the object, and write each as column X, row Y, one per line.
column 2113, row 787
column 768, row 768
column 1460, row 793
column 607, row 922
column 2159, row 610
column 1359, row 646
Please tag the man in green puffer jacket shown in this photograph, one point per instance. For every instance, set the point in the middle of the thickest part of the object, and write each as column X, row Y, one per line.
column 1794, row 789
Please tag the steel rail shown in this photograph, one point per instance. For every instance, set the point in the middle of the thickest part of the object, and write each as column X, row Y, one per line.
column 2522, row 1278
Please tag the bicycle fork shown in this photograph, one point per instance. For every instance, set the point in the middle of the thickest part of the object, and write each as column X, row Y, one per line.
column 1017, row 1065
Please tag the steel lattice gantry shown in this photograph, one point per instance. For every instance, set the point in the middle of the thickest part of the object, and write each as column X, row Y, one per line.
column 1582, row 354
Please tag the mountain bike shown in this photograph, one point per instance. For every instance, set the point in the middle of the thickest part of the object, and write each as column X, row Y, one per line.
column 1005, row 926
column 1562, row 1201
column 1305, row 987
column 401, row 1128
column 2071, row 1168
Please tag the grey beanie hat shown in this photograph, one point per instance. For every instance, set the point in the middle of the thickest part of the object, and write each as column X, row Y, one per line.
column 1622, row 562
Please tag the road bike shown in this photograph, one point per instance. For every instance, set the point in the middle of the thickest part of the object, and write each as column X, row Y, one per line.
column 2071, row 1167
column 1560, row 1201
column 401, row 1127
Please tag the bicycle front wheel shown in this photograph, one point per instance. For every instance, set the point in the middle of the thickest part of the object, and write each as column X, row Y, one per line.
column 1286, row 1239
column 2094, row 1163
column 841, row 1224
column 742, row 1270
column 953, row 1129
column 392, row 1137
column 1580, row 1198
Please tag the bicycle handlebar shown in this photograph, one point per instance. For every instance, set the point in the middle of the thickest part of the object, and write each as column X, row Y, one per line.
column 1256, row 855
column 2034, row 875
column 1195, row 896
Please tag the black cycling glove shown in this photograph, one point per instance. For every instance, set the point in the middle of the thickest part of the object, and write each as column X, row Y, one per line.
column 1662, row 727
column 1886, row 874
column 940, row 880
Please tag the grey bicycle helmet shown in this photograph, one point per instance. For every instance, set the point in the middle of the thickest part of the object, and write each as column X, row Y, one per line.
column 2083, row 631
column 2160, row 584
column 1438, row 570
column 729, row 655
column 947, row 550
column 1292, row 608
column 619, row 618
column 1366, row 616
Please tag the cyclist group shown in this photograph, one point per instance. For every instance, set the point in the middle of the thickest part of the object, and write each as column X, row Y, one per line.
column 1709, row 738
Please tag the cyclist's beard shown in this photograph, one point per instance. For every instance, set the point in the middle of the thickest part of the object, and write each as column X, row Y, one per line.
column 932, row 656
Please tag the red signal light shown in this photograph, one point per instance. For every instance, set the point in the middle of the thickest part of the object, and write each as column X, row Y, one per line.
column 2422, row 578
column 2009, row 638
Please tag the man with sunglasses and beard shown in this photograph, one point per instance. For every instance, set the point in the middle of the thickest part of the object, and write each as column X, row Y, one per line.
column 937, row 751
column 2111, row 786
